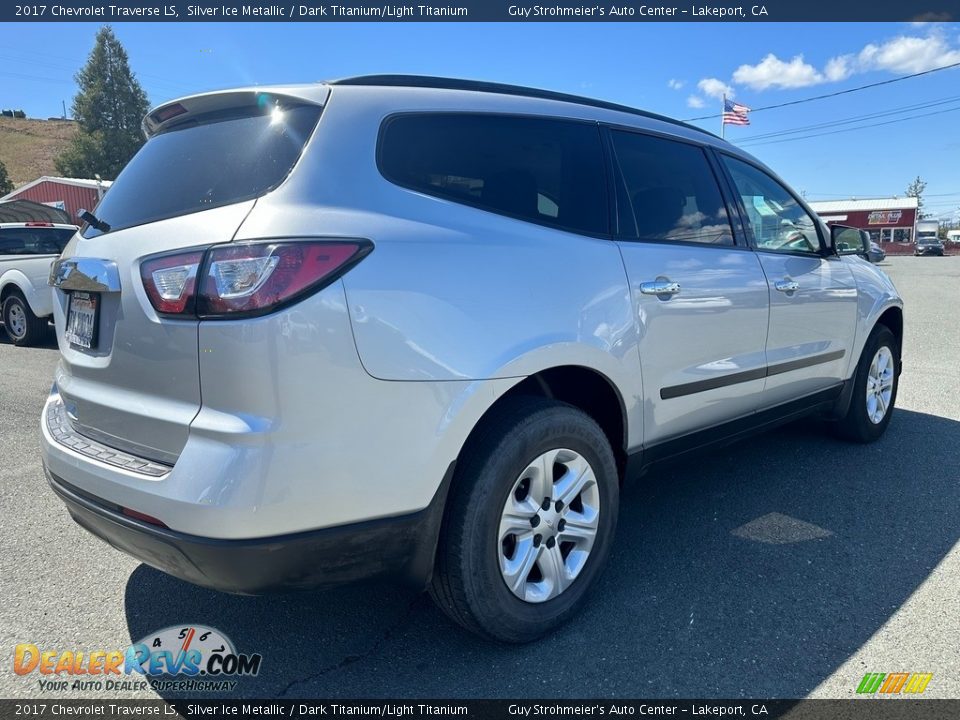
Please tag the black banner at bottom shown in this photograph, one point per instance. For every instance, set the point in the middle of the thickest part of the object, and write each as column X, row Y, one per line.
column 872, row 708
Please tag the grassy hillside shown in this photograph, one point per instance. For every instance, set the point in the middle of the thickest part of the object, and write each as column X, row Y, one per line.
column 28, row 147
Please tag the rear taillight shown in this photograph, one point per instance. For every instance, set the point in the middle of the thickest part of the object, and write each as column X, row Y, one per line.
column 170, row 282
column 246, row 279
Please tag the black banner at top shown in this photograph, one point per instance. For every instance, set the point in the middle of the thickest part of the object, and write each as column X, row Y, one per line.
column 480, row 11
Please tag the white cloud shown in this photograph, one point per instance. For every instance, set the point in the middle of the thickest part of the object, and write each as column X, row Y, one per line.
column 901, row 55
column 839, row 68
column 675, row 84
column 774, row 72
column 715, row 88
column 907, row 54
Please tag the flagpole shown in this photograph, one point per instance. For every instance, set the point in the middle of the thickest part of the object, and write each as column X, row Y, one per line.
column 723, row 107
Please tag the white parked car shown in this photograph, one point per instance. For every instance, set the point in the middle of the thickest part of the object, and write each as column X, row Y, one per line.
column 26, row 251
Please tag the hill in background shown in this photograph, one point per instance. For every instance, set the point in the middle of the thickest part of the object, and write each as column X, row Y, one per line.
column 28, row 147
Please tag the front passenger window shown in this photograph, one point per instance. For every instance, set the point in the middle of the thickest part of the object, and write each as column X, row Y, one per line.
column 778, row 221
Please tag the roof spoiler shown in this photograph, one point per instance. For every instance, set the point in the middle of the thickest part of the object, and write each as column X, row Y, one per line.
column 176, row 111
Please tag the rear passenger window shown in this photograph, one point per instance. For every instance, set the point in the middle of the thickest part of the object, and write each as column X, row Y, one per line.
column 672, row 193
column 536, row 169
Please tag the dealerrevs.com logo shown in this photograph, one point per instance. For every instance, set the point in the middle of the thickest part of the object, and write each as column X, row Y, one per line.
column 191, row 658
column 894, row 683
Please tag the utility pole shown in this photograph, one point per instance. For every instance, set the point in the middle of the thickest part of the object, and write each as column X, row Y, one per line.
column 723, row 107
column 64, row 104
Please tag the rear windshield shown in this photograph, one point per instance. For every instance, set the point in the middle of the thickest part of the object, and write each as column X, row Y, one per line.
column 206, row 162
column 34, row 240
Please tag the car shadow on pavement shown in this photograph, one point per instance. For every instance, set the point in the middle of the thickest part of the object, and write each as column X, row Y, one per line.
column 752, row 571
column 47, row 343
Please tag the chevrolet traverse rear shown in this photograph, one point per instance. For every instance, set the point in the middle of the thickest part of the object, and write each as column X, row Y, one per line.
column 423, row 329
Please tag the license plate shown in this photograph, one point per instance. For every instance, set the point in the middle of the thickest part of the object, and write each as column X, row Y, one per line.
column 82, row 319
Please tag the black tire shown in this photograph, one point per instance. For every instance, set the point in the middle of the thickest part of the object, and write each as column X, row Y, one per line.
column 856, row 425
column 31, row 330
column 467, row 582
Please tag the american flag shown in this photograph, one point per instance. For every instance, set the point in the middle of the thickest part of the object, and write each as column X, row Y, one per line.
column 735, row 113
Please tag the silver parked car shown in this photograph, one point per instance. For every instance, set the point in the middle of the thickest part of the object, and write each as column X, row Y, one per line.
column 425, row 328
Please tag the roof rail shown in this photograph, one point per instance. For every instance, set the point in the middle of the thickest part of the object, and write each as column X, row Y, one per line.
column 442, row 83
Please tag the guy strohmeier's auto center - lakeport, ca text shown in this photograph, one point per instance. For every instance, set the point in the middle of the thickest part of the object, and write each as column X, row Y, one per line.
column 333, row 11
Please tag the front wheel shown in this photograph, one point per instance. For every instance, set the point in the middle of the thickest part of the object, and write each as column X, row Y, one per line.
column 874, row 388
column 530, row 522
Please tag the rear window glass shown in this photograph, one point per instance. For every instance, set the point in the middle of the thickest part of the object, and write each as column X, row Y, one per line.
column 34, row 241
column 541, row 170
column 207, row 162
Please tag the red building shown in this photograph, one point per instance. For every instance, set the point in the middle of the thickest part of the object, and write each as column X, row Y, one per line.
column 891, row 222
column 68, row 194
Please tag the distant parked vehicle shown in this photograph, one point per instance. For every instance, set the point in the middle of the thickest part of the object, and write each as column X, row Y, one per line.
column 927, row 230
column 26, row 251
column 929, row 246
column 876, row 253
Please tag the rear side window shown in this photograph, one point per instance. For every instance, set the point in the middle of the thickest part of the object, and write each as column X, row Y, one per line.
column 34, row 241
column 541, row 170
column 672, row 193
column 206, row 162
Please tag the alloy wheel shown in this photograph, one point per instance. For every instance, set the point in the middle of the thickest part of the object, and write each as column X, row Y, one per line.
column 880, row 384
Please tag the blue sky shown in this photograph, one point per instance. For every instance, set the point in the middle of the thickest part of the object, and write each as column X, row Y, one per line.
column 667, row 68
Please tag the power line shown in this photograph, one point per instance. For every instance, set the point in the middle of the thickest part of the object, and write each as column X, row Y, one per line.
column 37, row 78
column 146, row 78
column 838, row 92
column 853, row 129
column 853, row 119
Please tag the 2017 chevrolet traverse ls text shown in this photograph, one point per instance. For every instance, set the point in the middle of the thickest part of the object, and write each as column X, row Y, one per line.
column 424, row 328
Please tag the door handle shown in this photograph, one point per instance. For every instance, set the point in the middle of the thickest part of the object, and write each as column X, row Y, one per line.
column 786, row 285
column 660, row 287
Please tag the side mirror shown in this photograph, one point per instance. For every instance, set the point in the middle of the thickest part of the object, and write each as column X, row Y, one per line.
column 849, row 241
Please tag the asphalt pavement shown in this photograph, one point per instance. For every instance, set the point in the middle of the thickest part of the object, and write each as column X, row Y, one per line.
column 785, row 566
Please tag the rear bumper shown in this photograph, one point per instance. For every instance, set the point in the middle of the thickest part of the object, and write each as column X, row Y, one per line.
column 398, row 548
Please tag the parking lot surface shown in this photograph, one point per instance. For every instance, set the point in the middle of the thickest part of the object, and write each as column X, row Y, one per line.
column 787, row 565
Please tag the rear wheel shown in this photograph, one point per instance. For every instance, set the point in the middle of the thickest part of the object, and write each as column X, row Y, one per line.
column 23, row 327
column 530, row 522
column 874, row 389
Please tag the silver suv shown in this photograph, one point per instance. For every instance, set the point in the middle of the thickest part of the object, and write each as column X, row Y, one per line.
column 424, row 329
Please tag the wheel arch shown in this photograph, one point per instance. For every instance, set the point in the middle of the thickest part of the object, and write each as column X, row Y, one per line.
column 892, row 319
column 15, row 281
column 586, row 389
column 8, row 286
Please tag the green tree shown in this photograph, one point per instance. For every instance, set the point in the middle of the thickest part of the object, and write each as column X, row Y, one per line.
column 108, row 110
column 6, row 185
column 915, row 189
